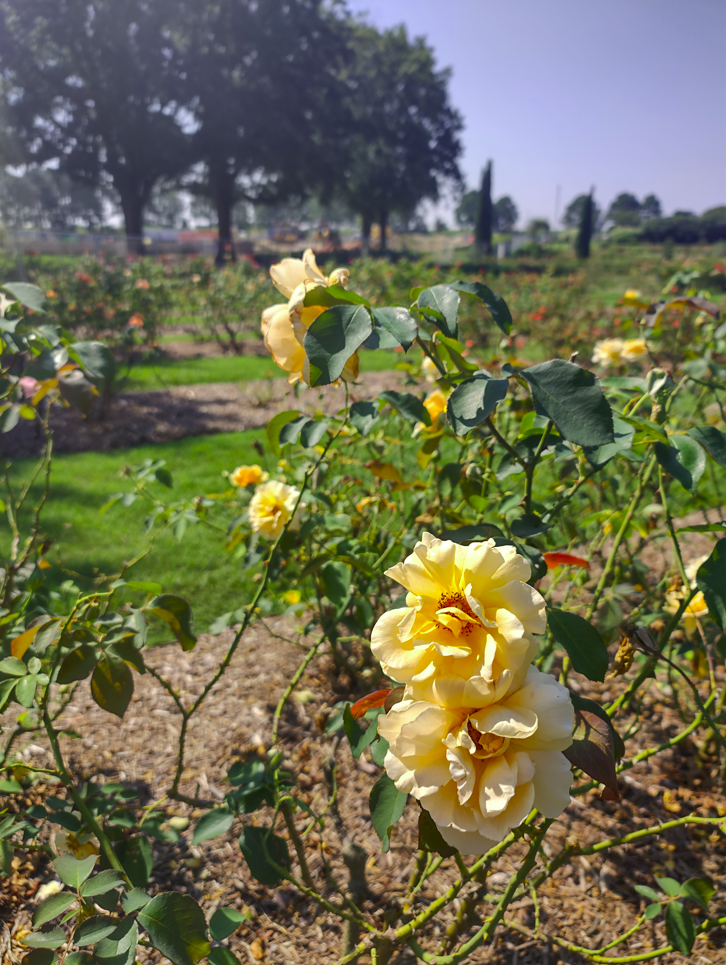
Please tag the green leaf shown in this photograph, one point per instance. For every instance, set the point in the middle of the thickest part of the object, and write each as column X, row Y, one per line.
column 651, row 911
column 498, row 308
column 176, row 926
column 290, row 432
column 120, row 946
column 256, row 844
column 78, row 664
column 470, row 534
column 101, row 883
column 43, row 956
column 336, row 578
column 53, row 938
column 386, row 804
column 647, row 892
column 11, row 786
column 97, row 359
column 407, row 405
column 473, row 401
column 363, row 416
column 332, row 295
column 112, row 685
column 134, row 899
column 573, row 398
column 212, row 824
column 399, row 323
column 528, row 525
column 683, row 458
column 623, row 434
column 592, row 749
column 358, row 736
column 28, row 295
column 444, row 300
column 77, row 391
column 13, row 667
column 700, row 890
column 178, row 614
column 712, row 440
column 52, row 907
column 711, row 580
column 333, row 338
column 137, row 858
column 430, row 838
column 669, row 885
column 581, row 641
column 224, row 922
column 272, row 432
column 680, row 927
column 73, row 872
column 312, row 433
column 221, row 955
column 94, row 929
column 378, row 751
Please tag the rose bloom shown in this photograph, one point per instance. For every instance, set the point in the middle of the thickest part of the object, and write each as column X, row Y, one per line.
column 248, row 476
column 142, row 283
column 480, row 772
column 634, row 349
column 608, row 352
column 464, row 637
column 697, row 608
column 271, row 507
column 284, row 326
column 435, row 405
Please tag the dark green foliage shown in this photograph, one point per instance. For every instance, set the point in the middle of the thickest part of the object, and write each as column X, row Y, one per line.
column 483, row 232
column 584, row 234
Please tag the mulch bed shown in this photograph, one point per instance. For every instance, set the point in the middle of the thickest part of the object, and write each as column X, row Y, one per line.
column 138, row 418
column 589, row 901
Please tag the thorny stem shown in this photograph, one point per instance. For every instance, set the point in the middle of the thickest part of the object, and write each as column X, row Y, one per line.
column 297, row 843
column 532, row 465
column 292, row 685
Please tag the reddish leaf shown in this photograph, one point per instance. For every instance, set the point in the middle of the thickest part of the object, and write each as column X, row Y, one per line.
column 376, row 699
column 593, row 752
column 564, row 559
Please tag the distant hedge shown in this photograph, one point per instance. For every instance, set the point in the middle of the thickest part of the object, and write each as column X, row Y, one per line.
column 687, row 229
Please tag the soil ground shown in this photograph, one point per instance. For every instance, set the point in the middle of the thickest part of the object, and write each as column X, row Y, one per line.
column 589, row 901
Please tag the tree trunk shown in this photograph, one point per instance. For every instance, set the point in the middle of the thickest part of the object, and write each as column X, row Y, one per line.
column 383, row 223
column 223, row 190
column 366, row 234
column 132, row 206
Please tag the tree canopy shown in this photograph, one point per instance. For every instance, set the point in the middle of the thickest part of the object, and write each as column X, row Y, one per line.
column 572, row 218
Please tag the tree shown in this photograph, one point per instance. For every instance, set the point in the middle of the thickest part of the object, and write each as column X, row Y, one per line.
column 625, row 211
column 48, row 199
column 584, row 235
column 465, row 212
column 538, row 227
column 95, row 85
column 505, row 214
column 483, row 231
column 260, row 79
column 401, row 139
column 650, row 208
column 572, row 218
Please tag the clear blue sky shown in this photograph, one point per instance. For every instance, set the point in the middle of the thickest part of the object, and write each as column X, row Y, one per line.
column 626, row 95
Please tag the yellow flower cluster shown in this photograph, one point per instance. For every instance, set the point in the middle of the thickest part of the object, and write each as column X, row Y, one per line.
column 284, row 326
column 614, row 351
column 479, row 734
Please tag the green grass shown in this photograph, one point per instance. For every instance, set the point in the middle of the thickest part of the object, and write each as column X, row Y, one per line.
column 89, row 543
column 229, row 368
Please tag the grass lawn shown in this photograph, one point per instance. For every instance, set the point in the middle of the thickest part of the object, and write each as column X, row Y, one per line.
column 89, row 543
column 229, row 368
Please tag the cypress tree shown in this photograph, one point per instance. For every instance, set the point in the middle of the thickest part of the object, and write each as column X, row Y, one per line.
column 584, row 235
column 483, row 233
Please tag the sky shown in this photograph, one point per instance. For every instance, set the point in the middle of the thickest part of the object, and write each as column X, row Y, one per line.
column 622, row 95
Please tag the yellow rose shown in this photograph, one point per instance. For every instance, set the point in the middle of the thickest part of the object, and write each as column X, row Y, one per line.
column 464, row 637
column 271, row 507
column 697, row 608
column 435, row 405
column 284, row 326
column 634, row 349
column 608, row 352
column 480, row 772
column 248, row 476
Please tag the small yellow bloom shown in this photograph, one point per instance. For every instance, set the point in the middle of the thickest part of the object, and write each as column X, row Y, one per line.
column 608, row 352
column 284, row 327
column 634, row 349
column 292, row 597
column 435, row 405
column 248, row 476
column 271, row 507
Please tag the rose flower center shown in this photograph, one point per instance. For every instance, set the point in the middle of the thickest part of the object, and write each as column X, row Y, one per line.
column 487, row 745
column 455, row 614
